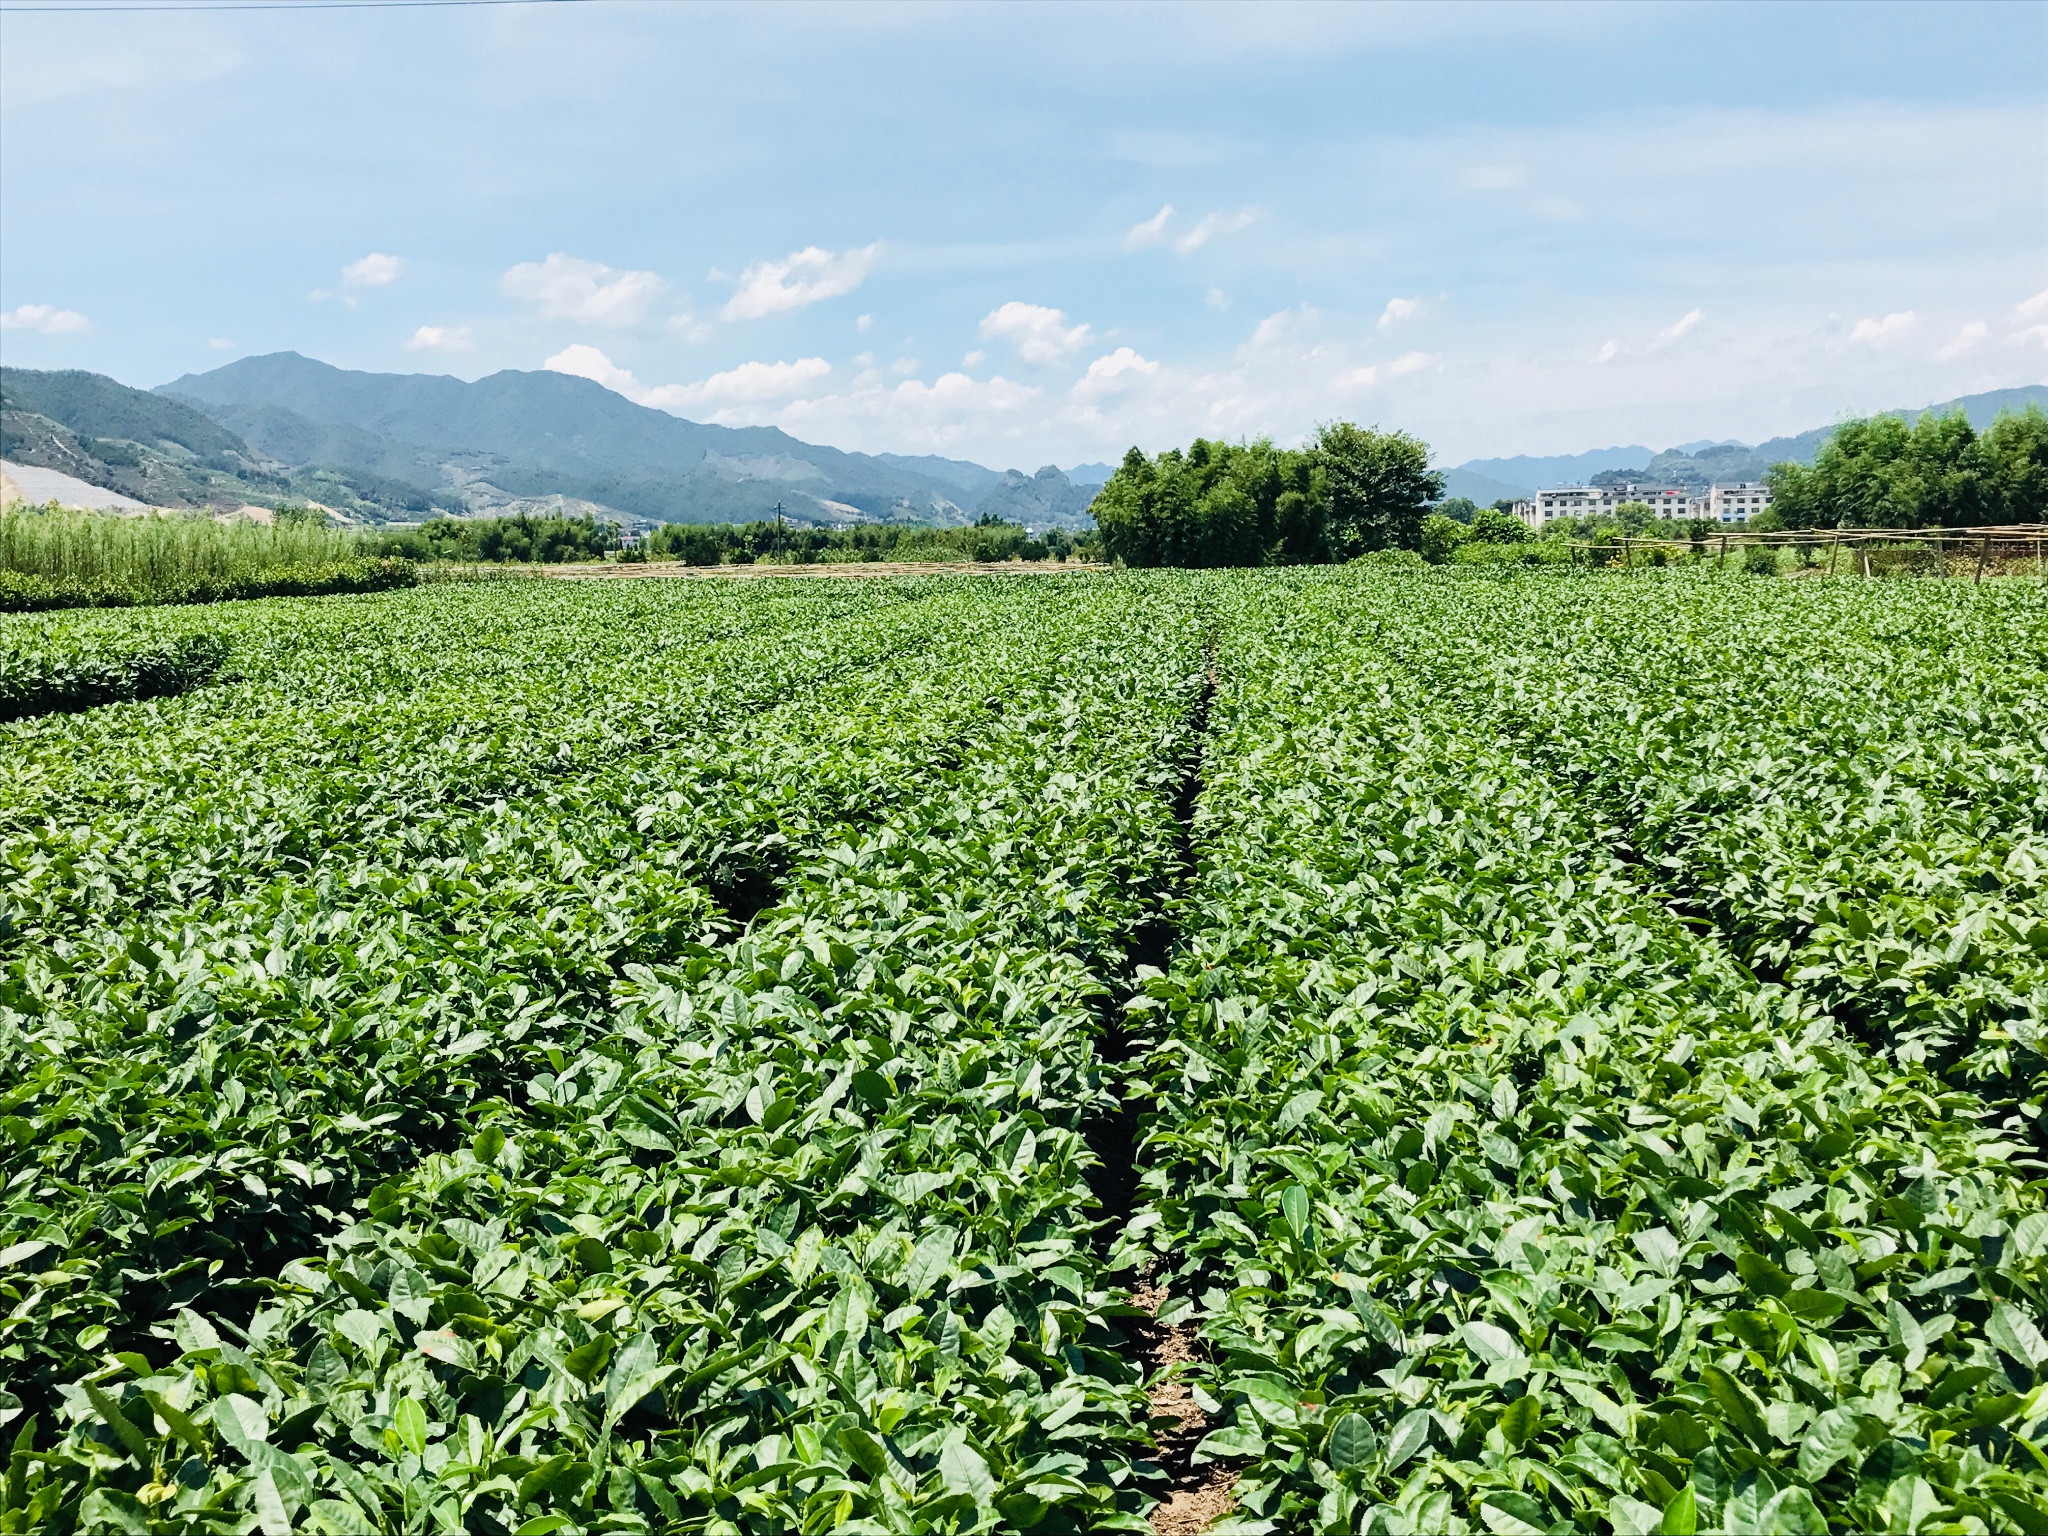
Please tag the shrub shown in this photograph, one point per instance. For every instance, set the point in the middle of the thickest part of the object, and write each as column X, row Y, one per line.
column 1392, row 559
column 1441, row 537
column 46, row 680
column 21, row 593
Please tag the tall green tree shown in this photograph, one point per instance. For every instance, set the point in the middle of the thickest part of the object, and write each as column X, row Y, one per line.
column 2017, row 448
column 1938, row 473
column 1380, row 487
column 1215, row 504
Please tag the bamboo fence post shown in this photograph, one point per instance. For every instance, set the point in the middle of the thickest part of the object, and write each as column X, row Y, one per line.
column 1983, row 554
column 1627, row 563
column 1866, row 562
column 1722, row 558
column 1834, row 549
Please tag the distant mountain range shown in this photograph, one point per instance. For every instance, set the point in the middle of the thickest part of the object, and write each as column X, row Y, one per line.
column 1694, row 465
column 389, row 447
column 386, row 447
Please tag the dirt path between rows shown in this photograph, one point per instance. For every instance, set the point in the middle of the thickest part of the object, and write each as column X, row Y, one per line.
column 876, row 568
column 1197, row 1497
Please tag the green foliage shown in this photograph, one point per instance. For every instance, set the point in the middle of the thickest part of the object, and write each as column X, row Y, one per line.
column 1440, row 536
column 1217, row 504
column 1526, row 552
column 1760, row 560
column 430, row 1200
column 1352, row 492
column 1938, row 473
column 989, row 539
column 493, row 540
column 1461, row 509
column 56, row 559
column 1379, row 487
column 95, row 406
column 1635, row 518
column 1491, row 527
column 1503, row 1198
column 43, row 594
column 41, row 679
column 699, row 1056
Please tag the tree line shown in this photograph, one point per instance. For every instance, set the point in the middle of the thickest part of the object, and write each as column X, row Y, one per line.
column 989, row 539
column 1940, row 472
column 550, row 539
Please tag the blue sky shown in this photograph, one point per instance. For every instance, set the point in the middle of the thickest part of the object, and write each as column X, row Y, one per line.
column 1043, row 233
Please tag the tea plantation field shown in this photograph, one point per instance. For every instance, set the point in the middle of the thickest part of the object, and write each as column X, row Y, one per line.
column 1333, row 1050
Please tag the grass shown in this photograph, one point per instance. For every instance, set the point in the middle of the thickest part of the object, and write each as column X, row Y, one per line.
column 159, row 551
column 51, row 558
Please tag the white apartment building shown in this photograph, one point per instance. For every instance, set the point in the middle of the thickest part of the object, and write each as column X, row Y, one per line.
column 1599, row 501
column 1733, row 503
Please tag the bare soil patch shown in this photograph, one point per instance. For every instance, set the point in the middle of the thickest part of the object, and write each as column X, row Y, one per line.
column 1198, row 1496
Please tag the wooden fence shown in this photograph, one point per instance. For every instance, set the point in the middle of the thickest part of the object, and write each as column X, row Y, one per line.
column 1934, row 551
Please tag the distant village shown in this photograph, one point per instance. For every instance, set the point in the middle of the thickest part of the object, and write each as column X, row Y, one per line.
column 1735, row 502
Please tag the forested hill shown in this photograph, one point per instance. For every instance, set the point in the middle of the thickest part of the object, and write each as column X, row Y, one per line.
column 163, row 452
column 546, row 433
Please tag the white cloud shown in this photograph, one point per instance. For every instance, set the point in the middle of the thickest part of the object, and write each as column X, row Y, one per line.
column 1678, row 328
column 375, row 270
column 1118, row 370
column 903, row 367
column 2035, row 308
column 778, row 287
column 1283, row 378
column 1971, row 335
column 42, row 317
column 1212, row 225
column 1277, row 325
column 864, row 324
column 220, row 344
column 912, row 416
column 974, row 359
column 1868, row 330
column 690, row 329
column 1559, row 210
column 1398, row 310
column 958, row 392
column 441, row 338
column 1040, row 334
column 1148, row 231
column 569, row 288
column 735, row 389
column 2031, row 333
column 587, row 362
column 1217, row 300
column 1408, row 362
column 1607, row 352
column 748, row 382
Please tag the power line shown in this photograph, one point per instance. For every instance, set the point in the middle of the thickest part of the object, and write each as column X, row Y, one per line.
column 7, row 8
